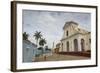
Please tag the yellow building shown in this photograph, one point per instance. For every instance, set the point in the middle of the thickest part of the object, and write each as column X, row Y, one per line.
column 75, row 39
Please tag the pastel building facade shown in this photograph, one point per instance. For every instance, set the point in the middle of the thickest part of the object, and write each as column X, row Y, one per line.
column 29, row 51
column 75, row 39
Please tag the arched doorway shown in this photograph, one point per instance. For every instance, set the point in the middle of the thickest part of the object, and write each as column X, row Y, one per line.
column 75, row 45
column 67, row 44
column 82, row 44
column 62, row 46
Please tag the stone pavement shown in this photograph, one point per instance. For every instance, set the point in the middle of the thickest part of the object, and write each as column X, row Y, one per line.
column 59, row 57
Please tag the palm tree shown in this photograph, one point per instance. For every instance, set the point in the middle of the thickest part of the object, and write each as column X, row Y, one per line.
column 25, row 36
column 42, row 42
column 37, row 36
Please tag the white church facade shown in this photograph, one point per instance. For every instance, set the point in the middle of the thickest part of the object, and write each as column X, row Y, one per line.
column 75, row 39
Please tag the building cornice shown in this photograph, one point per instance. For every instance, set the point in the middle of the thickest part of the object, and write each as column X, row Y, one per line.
column 74, row 35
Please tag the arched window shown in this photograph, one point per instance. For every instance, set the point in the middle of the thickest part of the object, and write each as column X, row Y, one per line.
column 67, row 33
column 75, row 45
column 62, row 46
column 89, row 40
column 67, row 44
column 82, row 44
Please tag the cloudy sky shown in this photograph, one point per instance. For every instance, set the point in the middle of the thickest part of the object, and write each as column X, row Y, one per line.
column 51, row 23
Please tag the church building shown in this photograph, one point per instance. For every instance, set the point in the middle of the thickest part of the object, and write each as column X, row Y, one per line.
column 75, row 39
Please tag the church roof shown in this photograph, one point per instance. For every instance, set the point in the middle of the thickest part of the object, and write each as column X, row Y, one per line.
column 69, row 23
column 79, row 30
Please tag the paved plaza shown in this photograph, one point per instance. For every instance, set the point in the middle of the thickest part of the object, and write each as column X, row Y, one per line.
column 59, row 57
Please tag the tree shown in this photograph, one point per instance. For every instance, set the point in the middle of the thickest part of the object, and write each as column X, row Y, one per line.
column 46, row 48
column 42, row 42
column 37, row 36
column 25, row 36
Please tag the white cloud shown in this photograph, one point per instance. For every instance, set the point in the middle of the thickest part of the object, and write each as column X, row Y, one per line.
column 51, row 23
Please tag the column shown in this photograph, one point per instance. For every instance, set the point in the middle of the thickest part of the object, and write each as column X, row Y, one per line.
column 79, row 44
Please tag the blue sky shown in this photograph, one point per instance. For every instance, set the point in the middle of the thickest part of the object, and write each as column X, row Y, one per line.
column 51, row 23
